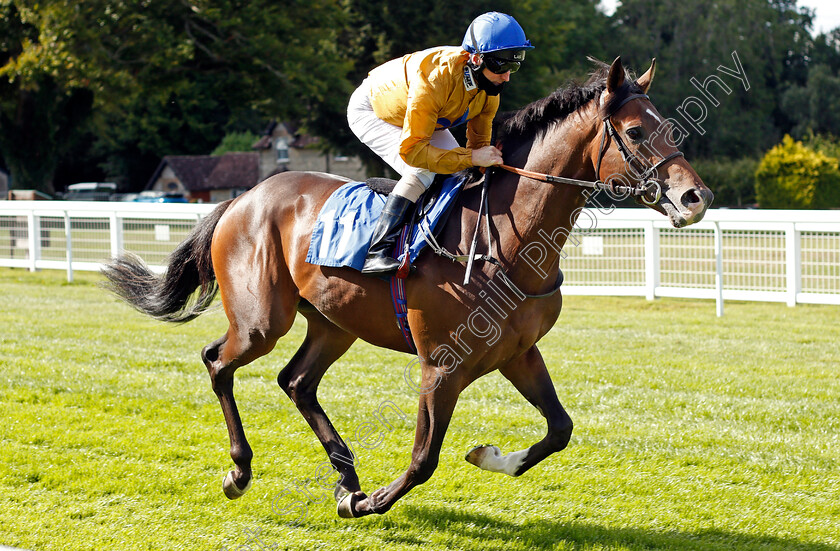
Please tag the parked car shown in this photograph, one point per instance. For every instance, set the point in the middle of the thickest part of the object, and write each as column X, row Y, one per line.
column 90, row 191
column 160, row 197
column 124, row 197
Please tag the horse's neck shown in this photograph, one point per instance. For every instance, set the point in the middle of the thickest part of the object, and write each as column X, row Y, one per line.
column 542, row 214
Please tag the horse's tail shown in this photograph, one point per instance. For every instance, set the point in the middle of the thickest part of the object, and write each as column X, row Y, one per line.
column 167, row 297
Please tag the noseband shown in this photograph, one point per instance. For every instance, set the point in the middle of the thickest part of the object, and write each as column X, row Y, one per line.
column 648, row 188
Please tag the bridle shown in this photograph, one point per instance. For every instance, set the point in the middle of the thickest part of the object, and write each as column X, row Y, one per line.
column 648, row 188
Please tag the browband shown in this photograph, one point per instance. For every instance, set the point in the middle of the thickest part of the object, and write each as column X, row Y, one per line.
column 629, row 98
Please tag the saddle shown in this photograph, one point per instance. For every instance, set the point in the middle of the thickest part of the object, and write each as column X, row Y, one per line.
column 345, row 224
column 384, row 186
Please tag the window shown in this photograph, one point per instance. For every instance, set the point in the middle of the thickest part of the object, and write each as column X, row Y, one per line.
column 282, row 151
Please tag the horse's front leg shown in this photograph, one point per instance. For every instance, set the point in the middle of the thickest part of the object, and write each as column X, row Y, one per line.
column 433, row 416
column 530, row 377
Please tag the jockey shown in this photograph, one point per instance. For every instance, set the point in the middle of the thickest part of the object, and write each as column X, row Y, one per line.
column 404, row 108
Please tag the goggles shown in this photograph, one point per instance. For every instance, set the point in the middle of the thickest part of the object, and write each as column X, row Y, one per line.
column 500, row 66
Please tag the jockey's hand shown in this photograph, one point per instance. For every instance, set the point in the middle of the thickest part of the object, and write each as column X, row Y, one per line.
column 486, row 156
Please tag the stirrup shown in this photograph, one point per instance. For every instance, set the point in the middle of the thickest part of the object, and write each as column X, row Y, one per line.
column 380, row 265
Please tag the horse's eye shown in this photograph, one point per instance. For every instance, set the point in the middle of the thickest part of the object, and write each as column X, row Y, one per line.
column 634, row 133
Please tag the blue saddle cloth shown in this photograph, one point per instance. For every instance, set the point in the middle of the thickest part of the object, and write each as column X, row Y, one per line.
column 346, row 222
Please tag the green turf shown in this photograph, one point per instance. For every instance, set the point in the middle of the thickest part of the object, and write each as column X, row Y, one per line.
column 692, row 432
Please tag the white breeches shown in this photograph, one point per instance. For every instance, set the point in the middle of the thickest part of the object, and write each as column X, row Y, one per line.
column 384, row 139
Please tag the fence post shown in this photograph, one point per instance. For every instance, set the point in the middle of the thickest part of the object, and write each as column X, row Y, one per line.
column 34, row 237
column 116, row 234
column 793, row 262
column 651, row 260
column 718, row 270
column 68, row 245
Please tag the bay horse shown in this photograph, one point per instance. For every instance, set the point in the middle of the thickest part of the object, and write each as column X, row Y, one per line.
column 252, row 250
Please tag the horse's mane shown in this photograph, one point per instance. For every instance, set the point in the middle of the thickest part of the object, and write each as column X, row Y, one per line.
column 535, row 119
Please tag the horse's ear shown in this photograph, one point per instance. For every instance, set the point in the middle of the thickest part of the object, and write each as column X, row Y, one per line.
column 645, row 80
column 615, row 78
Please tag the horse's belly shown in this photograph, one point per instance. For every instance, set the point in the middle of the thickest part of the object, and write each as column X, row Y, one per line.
column 358, row 304
column 483, row 334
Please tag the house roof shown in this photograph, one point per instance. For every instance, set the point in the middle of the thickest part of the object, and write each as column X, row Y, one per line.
column 299, row 141
column 203, row 172
column 263, row 143
column 305, row 140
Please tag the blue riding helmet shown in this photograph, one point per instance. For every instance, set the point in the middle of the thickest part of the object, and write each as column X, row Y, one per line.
column 493, row 32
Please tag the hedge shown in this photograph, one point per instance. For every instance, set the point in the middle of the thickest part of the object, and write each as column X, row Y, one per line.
column 793, row 176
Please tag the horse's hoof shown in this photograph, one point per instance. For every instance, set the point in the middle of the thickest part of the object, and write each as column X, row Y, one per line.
column 346, row 504
column 340, row 492
column 232, row 491
column 479, row 454
column 490, row 458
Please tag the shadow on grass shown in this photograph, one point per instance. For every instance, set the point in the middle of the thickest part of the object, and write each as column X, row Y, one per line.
column 582, row 535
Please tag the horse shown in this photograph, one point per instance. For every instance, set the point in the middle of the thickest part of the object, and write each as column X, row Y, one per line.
column 252, row 250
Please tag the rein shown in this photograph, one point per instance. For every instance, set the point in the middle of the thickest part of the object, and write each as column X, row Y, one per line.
column 648, row 188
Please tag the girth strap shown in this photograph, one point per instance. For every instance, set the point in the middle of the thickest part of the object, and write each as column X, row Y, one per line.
column 398, row 296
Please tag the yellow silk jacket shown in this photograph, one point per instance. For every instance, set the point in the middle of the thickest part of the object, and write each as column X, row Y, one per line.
column 427, row 91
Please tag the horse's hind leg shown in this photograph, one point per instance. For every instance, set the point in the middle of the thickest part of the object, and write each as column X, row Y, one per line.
column 222, row 358
column 530, row 377
column 260, row 307
column 324, row 344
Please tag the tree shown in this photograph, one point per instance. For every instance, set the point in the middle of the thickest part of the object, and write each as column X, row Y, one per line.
column 236, row 142
column 692, row 39
column 39, row 118
column 160, row 77
column 813, row 107
column 248, row 62
column 826, row 50
column 732, row 180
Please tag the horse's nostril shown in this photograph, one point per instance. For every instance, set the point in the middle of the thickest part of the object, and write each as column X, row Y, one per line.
column 690, row 198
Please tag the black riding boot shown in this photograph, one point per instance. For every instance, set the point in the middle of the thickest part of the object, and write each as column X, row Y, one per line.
column 385, row 235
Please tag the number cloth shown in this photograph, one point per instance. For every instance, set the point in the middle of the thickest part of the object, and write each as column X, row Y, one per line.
column 345, row 224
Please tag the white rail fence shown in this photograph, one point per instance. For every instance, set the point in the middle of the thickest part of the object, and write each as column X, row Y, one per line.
column 778, row 255
column 77, row 235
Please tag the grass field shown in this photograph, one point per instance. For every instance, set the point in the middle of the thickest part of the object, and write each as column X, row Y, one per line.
column 692, row 432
